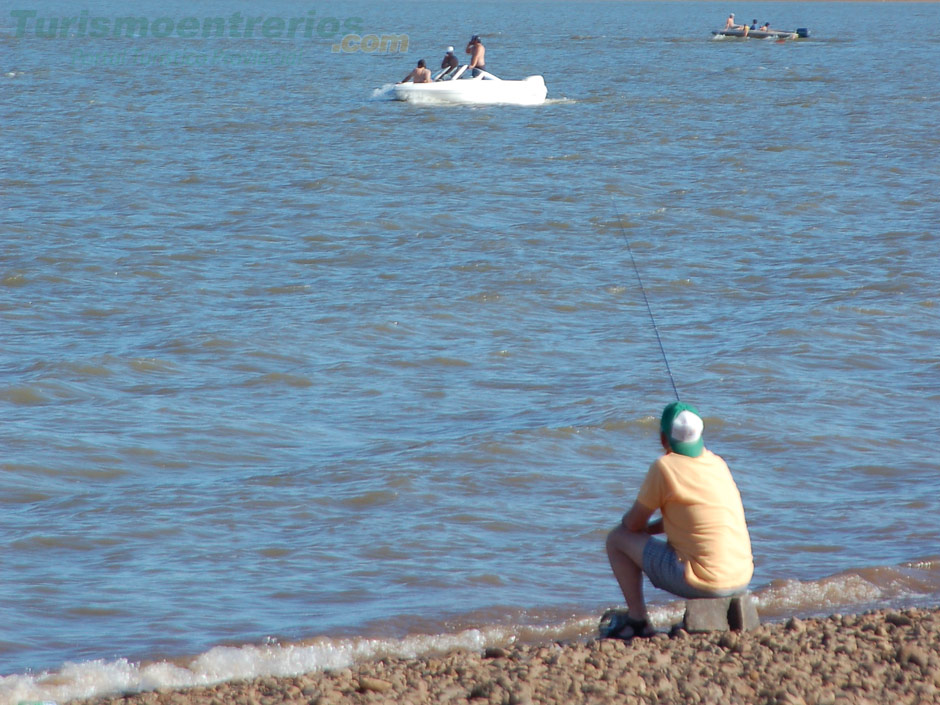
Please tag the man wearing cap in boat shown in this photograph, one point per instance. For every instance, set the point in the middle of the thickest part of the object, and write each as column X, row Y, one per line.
column 420, row 74
column 729, row 23
column 708, row 550
column 477, row 53
column 450, row 62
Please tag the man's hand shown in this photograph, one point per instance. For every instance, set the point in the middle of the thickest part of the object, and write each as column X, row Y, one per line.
column 635, row 520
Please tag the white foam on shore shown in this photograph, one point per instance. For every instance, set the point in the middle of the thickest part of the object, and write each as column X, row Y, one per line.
column 852, row 591
column 224, row 663
column 856, row 590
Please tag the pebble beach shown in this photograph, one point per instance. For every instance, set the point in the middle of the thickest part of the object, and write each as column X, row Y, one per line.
column 887, row 656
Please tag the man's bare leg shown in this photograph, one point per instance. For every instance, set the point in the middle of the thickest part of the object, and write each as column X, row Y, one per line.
column 625, row 552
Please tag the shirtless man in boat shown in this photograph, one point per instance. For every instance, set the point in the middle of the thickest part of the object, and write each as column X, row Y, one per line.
column 420, row 74
column 477, row 53
column 729, row 23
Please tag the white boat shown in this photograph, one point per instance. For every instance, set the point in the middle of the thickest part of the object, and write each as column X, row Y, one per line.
column 483, row 89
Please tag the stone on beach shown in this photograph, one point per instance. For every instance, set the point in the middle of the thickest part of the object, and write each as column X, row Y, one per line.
column 720, row 614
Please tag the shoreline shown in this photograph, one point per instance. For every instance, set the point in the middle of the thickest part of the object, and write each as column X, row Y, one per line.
column 882, row 656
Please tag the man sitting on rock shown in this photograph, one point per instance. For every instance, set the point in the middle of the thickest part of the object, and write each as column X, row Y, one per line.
column 708, row 550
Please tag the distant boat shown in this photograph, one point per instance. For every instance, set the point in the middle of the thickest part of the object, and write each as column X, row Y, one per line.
column 484, row 89
column 801, row 33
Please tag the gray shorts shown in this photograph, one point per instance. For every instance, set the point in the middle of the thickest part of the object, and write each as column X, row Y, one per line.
column 664, row 569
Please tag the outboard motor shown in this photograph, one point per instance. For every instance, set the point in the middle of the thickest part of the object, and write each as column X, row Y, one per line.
column 802, row 32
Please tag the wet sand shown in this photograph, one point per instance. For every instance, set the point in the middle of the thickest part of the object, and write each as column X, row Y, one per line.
column 881, row 657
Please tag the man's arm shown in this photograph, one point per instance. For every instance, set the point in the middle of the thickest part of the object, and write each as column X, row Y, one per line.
column 636, row 520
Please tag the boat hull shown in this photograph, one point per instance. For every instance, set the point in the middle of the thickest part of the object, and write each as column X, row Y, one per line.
column 763, row 34
column 475, row 91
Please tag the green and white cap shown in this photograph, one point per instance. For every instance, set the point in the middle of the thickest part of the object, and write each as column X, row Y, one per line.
column 683, row 427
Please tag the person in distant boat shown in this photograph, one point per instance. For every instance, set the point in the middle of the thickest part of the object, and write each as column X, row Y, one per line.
column 450, row 62
column 707, row 552
column 753, row 24
column 419, row 74
column 477, row 53
column 765, row 27
column 729, row 23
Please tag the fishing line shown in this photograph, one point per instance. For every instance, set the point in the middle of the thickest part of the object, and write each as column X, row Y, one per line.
column 646, row 299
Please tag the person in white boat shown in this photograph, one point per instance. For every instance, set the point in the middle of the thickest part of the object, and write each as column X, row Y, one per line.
column 450, row 62
column 420, row 74
column 477, row 53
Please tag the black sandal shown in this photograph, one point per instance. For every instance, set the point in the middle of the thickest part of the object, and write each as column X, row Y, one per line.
column 620, row 625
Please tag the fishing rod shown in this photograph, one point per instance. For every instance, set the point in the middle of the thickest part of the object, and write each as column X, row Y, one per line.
column 645, row 298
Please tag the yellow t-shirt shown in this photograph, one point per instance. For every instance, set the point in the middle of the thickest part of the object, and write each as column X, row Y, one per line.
column 703, row 518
